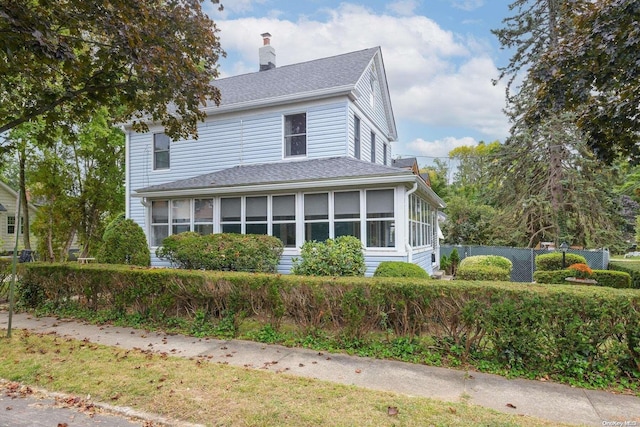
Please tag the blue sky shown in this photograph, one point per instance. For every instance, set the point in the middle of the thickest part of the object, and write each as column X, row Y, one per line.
column 440, row 58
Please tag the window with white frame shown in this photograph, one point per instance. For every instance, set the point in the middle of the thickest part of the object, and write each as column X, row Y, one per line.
column 11, row 225
column 373, row 147
column 231, row 214
column 180, row 216
column 161, row 158
column 420, row 222
column 346, row 214
column 356, row 137
column 203, row 216
column 295, row 135
column 159, row 221
column 256, row 215
column 380, row 218
column 283, row 219
column 316, row 217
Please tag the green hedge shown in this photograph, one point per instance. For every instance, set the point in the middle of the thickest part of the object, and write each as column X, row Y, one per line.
column 342, row 256
column 630, row 267
column 400, row 269
column 222, row 251
column 553, row 261
column 584, row 334
column 612, row 279
column 484, row 267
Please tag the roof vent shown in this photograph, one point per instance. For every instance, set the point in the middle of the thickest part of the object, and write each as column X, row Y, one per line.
column 267, row 53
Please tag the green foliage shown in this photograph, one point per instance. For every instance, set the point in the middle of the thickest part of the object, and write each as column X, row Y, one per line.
column 62, row 68
column 334, row 257
column 399, row 269
column 631, row 268
column 468, row 222
column 608, row 278
column 553, row 261
column 484, row 267
column 124, row 242
column 582, row 335
column 454, row 258
column 222, row 251
column 445, row 264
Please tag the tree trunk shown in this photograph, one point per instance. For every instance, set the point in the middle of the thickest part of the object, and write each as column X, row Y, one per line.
column 23, row 195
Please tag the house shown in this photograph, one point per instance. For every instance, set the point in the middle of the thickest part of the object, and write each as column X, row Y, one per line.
column 8, row 223
column 301, row 152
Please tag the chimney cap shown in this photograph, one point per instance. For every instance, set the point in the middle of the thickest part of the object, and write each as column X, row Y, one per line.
column 265, row 38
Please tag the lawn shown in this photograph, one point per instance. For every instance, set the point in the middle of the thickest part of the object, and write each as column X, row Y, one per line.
column 212, row 394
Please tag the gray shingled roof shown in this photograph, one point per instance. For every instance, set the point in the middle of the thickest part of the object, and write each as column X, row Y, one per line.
column 406, row 162
column 273, row 173
column 317, row 75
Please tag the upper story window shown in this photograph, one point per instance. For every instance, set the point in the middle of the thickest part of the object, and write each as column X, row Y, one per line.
column 295, row 135
column 356, row 137
column 160, row 151
column 373, row 147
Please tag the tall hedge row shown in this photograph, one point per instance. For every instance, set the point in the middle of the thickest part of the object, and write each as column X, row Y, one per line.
column 628, row 267
column 589, row 333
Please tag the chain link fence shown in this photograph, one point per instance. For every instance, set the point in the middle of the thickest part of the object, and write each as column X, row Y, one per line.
column 523, row 259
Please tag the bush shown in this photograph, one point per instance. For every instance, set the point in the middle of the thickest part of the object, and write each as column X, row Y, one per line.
column 608, row 278
column 334, row 257
column 454, row 259
column 484, row 267
column 581, row 271
column 553, row 261
column 124, row 242
column 577, row 334
column 400, row 269
column 445, row 264
column 631, row 268
column 222, row 251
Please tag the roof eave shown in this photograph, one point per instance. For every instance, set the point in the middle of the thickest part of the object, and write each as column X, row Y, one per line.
column 282, row 186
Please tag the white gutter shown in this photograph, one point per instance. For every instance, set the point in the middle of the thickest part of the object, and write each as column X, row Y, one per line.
column 407, row 233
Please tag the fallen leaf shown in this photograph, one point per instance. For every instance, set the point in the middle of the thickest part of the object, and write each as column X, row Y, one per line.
column 392, row 410
column 358, row 371
column 509, row 405
column 453, row 410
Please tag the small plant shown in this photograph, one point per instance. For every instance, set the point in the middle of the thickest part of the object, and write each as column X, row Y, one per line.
column 454, row 258
column 445, row 264
column 581, row 271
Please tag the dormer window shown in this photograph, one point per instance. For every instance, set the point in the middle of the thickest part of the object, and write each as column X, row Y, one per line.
column 295, row 135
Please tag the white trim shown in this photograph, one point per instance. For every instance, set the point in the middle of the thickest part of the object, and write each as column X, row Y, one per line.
column 127, row 172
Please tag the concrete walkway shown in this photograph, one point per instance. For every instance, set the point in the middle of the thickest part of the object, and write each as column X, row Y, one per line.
column 554, row 402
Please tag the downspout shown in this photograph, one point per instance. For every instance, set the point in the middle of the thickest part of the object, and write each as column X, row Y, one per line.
column 407, row 233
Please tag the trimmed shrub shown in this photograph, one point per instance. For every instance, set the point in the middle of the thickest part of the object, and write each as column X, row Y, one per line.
column 631, row 268
column 574, row 334
column 553, row 261
column 333, row 257
column 484, row 267
column 400, row 269
column 608, row 278
column 124, row 242
column 222, row 251
column 581, row 271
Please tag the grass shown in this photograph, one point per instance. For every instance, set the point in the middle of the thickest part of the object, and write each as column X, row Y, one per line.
column 219, row 395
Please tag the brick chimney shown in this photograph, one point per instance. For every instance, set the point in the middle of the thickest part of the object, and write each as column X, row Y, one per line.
column 267, row 53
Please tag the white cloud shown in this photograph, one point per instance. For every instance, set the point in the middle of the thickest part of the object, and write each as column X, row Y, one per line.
column 439, row 148
column 468, row 5
column 402, row 7
column 436, row 77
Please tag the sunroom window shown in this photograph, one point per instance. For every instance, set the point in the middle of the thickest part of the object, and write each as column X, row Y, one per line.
column 316, row 217
column 180, row 216
column 346, row 214
column 380, row 219
column 231, row 215
column 256, row 215
column 283, row 217
column 203, row 216
column 159, row 221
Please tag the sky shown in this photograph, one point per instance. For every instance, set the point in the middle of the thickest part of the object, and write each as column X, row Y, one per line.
column 439, row 55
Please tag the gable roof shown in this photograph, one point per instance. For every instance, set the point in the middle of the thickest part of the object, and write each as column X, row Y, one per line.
column 282, row 172
column 319, row 78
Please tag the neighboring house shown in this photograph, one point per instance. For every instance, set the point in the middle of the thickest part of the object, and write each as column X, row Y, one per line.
column 8, row 219
column 301, row 152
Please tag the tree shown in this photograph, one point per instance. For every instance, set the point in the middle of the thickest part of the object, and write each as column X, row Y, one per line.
column 593, row 71
column 79, row 180
column 438, row 177
column 474, row 164
column 149, row 60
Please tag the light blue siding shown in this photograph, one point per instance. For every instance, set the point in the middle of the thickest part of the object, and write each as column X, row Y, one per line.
column 375, row 113
column 423, row 259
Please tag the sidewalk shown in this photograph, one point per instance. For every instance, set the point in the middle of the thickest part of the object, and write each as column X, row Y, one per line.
column 554, row 402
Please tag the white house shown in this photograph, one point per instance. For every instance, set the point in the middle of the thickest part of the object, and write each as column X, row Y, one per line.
column 301, row 152
column 8, row 220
